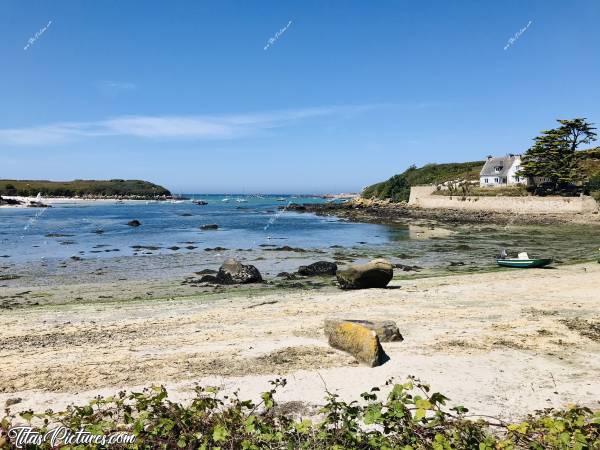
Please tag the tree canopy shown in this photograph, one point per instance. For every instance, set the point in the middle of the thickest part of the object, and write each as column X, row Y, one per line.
column 553, row 154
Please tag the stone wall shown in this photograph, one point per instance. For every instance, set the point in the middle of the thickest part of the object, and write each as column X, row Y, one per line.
column 423, row 197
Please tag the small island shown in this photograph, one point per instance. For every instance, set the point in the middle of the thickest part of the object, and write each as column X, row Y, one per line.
column 88, row 189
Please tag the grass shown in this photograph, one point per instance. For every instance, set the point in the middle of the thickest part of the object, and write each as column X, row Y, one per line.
column 398, row 187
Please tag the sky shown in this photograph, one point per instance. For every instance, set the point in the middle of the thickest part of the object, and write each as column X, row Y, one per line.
column 284, row 96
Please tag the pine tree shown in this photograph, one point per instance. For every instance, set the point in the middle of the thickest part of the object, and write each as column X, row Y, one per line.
column 553, row 152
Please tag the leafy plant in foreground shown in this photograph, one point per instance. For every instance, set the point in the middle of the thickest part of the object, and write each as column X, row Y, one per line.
column 410, row 417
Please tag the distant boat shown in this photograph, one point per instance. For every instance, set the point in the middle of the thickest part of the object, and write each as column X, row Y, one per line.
column 523, row 261
column 226, row 199
column 241, row 200
column 281, row 199
column 199, row 202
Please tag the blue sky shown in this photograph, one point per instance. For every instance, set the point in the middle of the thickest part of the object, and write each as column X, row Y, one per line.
column 351, row 92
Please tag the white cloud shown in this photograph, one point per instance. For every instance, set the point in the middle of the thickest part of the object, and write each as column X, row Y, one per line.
column 169, row 127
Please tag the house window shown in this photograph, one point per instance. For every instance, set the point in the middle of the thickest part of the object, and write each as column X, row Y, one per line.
column 496, row 180
column 497, row 169
column 486, row 181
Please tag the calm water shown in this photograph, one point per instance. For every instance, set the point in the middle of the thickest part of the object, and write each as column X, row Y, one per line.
column 65, row 230
column 99, row 231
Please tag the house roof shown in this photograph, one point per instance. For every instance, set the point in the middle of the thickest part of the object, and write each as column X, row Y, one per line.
column 505, row 162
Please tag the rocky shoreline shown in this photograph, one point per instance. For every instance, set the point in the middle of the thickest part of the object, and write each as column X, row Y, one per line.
column 26, row 203
column 385, row 212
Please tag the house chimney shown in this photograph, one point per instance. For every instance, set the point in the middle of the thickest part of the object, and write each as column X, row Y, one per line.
column 489, row 157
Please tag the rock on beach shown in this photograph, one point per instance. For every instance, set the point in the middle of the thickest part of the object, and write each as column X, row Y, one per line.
column 375, row 274
column 234, row 272
column 318, row 268
column 358, row 340
column 386, row 330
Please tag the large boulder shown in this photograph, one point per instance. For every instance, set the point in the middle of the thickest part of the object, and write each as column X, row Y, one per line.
column 134, row 223
column 318, row 268
column 386, row 330
column 358, row 340
column 375, row 274
column 234, row 272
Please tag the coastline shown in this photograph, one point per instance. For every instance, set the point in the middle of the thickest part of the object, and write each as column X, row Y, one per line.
column 385, row 212
column 519, row 350
column 78, row 327
column 25, row 201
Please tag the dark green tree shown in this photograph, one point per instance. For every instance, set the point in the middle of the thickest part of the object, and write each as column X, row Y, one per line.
column 553, row 154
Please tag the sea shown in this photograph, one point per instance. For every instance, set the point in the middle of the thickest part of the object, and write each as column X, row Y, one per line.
column 259, row 228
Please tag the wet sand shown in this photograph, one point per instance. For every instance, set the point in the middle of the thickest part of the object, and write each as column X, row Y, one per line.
column 502, row 343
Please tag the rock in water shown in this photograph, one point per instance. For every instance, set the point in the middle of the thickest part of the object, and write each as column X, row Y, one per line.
column 386, row 330
column 208, row 279
column 358, row 340
column 134, row 223
column 375, row 274
column 209, row 226
column 318, row 268
column 234, row 272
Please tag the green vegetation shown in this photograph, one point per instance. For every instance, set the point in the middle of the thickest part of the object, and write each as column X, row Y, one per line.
column 589, row 165
column 92, row 188
column 398, row 187
column 554, row 153
column 409, row 418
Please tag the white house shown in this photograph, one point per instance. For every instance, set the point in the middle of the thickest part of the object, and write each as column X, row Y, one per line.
column 501, row 171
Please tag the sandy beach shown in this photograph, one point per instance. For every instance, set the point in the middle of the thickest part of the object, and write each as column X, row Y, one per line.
column 50, row 201
column 501, row 343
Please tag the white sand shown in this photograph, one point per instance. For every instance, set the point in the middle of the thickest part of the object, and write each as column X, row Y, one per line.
column 492, row 342
column 64, row 201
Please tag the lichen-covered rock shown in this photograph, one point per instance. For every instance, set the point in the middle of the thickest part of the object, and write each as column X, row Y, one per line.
column 234, row 272
column 358, row 340
column 375, row 274
column 386, row 330
column 318, row 268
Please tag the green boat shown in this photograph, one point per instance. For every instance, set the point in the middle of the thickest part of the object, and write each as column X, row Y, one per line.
column 522, row 260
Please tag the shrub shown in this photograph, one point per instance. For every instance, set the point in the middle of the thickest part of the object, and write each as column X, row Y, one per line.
column 410, row 417
column 116, row 187
column 397, row 188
